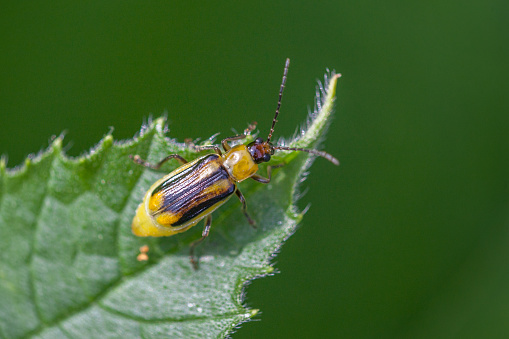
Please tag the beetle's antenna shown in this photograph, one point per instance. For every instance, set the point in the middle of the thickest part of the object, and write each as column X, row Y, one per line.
column 285, row 73
column 312, row 151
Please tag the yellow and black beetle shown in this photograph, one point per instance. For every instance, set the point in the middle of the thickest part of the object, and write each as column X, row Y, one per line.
column 179, row 200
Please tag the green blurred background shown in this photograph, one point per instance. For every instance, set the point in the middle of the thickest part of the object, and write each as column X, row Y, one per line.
column 408, row 238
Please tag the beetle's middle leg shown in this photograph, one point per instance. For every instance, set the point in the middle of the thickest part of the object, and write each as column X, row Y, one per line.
column 204, row 234
column 138, row 160
column 244, row 208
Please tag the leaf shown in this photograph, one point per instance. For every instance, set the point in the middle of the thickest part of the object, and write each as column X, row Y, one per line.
column 68, row 263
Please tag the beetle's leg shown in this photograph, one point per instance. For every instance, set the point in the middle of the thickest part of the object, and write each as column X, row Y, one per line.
column 136, row 158
column 204, row 234
column 236, row 137
column 201, row 148
column 248, row 130
column 244, row 208
column 264, row 180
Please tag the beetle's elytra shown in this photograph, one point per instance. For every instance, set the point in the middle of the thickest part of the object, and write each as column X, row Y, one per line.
column 179, row 200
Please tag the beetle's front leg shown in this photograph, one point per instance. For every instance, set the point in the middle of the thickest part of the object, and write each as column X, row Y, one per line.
column 264, row 180
column 244, row 208
column 224, row 142
column 247, row 132
column 204, row 234
column 196, row 148
column 202, row 148
column 138, row 160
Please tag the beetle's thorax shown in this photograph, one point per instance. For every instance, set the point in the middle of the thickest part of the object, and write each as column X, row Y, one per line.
column 239, row 163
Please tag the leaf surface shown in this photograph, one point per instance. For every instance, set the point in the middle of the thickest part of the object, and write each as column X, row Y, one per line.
column 69, row 263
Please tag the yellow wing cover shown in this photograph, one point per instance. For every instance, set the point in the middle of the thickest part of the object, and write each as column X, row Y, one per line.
column 182, row 198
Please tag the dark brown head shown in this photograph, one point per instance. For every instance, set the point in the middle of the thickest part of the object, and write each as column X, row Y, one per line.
column 260, row 150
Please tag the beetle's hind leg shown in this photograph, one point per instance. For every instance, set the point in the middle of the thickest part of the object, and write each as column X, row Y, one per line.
column 244, row 208
column 138, row 160
column 204, row 234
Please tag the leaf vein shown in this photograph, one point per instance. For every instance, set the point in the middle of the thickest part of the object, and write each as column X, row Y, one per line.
column 170, row 319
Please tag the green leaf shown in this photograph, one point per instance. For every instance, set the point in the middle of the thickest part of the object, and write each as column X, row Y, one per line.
column 69, row 263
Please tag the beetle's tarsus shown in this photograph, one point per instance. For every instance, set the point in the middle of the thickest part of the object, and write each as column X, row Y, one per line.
column 194, row 263
column 250, row 128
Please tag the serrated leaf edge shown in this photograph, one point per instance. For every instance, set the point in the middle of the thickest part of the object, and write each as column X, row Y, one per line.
column 315, row 127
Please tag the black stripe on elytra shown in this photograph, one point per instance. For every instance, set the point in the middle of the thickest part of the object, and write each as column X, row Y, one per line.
column 211, row 200
column 167, row 184
column 181, row 199
column 182, row 193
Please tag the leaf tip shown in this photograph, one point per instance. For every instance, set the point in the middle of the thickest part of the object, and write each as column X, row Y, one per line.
column 56, row 145
column 331, row 90
column 3, row 162
column 160, row 123
column 108, row 141
column 3, row 165
column 28, row 161
column 252, row 313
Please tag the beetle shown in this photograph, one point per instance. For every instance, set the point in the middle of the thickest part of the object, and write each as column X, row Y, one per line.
column 182, row 198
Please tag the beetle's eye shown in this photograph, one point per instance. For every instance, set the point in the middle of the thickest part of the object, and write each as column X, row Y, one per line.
column 266, row 157
column 259, row 140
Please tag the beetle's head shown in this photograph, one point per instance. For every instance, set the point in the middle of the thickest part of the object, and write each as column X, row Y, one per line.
column 260, row 150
